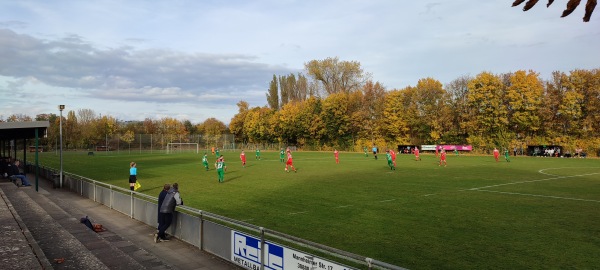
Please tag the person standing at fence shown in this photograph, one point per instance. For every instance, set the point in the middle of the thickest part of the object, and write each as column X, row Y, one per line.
column 221, row 168
column 257, row 154
column 167, row 208
column 132, row 175
column 161, row 199
column 205, row 161
column 243, row 158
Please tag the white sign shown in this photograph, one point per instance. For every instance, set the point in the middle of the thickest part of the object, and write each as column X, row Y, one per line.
column 246, row 252
column 428, row 147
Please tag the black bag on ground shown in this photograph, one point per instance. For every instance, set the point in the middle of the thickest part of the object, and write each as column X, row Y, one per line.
column 86, row 221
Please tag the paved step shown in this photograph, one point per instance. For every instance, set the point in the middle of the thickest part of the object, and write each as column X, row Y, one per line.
column 56, row 228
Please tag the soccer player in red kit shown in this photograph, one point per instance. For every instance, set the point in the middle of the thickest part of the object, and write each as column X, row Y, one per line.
column 443, row 158
column 417, row 154
column 393, row 154
column 243, row 158
column 496, row 154
column 337, row 156
column 289, row 162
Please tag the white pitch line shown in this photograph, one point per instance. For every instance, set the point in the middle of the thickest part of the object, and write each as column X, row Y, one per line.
column 296, row 213
column 533, row 181
column 344, row 206
column 535, row 195
column 387, row 200
column 542, row 171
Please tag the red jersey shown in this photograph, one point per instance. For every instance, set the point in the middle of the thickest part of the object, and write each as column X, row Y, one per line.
column 336, row 154
column 443, row 155
column 289, row 158
column 243, row 157
column 417, row 152
column 393, row 155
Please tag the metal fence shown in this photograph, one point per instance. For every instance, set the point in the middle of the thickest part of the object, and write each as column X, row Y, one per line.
column 238, row 242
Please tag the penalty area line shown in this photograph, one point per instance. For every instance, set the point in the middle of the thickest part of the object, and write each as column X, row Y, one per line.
column 533, row 181
column 297, row 213
column 536, row 195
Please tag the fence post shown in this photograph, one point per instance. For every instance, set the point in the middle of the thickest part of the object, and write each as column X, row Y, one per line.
column 262, row 248
column 94, row 190
column 201, row 229
column 131, row 205
column 369, row 262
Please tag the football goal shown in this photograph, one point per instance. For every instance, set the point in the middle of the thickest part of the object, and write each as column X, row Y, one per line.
column 173, row 148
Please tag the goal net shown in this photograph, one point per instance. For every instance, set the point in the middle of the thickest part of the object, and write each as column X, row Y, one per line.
column 173, row 148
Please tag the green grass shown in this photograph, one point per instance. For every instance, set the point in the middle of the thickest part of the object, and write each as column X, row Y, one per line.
column 420, row 216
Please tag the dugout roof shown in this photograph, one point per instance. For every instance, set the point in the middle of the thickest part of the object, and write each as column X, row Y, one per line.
column 22, row 130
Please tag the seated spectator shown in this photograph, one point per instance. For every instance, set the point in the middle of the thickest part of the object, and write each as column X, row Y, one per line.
column 14, row 172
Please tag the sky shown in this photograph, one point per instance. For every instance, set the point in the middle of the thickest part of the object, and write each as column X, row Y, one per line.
column 193, row 60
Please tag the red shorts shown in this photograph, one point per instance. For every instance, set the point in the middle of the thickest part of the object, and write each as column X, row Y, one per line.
column 289, row 162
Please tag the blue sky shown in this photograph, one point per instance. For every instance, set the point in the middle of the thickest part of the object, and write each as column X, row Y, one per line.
column 193, row 60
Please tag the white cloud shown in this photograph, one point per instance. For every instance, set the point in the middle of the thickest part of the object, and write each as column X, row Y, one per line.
column 198, row 58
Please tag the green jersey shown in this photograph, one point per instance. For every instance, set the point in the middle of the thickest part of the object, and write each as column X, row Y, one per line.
column 388, row 156
column 257, row 152
column 220, row 165
column 205, row 160
column 281, row 154
column 217, row 153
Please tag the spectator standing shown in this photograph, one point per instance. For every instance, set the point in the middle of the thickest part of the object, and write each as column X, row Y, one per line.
column 167, row 208
column 161, row 199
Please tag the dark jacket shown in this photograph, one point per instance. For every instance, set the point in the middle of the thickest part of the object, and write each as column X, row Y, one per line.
column 161, row 199
column 13, row 170
column 171, row 200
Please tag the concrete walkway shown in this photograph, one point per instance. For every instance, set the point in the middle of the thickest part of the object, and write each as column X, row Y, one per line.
column 41, row 230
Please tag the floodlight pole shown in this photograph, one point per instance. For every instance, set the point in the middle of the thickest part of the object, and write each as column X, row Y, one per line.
column 61, row 108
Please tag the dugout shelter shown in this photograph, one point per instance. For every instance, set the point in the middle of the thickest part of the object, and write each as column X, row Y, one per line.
column 545, row 150
column 13, row 133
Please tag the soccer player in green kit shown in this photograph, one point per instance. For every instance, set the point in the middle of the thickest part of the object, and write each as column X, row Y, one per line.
column 205, row 161
column 389, row 160
column 366, row 151
column 221, row 168
column 506, row 155
column 257, row 153
column 281, row 155
column 217, row 154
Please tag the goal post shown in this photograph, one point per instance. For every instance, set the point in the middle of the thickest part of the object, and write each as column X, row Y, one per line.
column 182, row 147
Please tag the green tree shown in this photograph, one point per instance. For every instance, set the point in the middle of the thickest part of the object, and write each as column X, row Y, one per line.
column 128, row 137
column 236, row 125
column 273, row 94
column 213, row 130
column 524, row 97
column 488, row 113
column 337, row 76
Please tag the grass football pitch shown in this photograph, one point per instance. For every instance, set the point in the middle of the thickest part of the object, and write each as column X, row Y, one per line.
column 475, row 213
